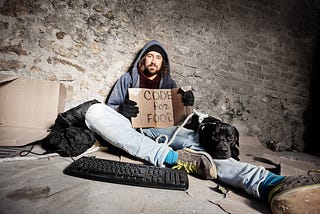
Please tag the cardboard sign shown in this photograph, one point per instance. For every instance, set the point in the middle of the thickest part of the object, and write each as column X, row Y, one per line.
column 158, row 107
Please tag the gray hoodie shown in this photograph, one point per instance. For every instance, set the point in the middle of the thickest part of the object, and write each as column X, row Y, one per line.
column 131, row 79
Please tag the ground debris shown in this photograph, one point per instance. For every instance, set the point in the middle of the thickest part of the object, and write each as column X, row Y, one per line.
column 215, row 203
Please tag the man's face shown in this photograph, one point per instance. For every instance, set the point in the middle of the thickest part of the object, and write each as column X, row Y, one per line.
column 153, row 63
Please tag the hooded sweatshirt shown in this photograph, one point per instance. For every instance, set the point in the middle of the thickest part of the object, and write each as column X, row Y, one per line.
column 131, row 79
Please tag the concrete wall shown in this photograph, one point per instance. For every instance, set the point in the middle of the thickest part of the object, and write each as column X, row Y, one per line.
column 249, row 62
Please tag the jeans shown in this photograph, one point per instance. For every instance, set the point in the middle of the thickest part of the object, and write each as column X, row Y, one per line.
column 117, row 130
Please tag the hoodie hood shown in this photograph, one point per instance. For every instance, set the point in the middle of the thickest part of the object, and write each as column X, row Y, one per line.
column 131, row 79
column 134, row 72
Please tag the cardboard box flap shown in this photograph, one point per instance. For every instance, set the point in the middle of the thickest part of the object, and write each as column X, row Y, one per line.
column 7, row 78
column 16, row 136
column 62, row 99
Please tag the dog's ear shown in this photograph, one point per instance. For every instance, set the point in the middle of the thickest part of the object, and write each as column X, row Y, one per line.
column 203, row 129
column 237, row 136
column 235, row 153
column 205, row 133
column 234, row 149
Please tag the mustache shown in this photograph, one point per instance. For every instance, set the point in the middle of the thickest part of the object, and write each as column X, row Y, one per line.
column 152, row 64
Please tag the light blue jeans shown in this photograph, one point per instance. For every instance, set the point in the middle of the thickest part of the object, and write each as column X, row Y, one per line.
column 117, row 130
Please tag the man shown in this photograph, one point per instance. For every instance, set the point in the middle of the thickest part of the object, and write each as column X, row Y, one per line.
column 151, row 69
column 112, row 121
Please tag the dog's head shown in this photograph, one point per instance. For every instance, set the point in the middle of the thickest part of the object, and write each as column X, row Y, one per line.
column 219, row 139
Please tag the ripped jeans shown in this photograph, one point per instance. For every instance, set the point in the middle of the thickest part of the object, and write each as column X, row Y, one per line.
column 117, row 130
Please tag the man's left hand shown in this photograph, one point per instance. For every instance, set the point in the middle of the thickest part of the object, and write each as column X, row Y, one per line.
column 187, row 98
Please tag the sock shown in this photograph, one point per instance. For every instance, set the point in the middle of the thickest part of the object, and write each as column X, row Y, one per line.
column 271, row 180
column 171, row 158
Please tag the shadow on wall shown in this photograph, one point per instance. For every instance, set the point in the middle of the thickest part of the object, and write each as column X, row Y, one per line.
column 311, row 115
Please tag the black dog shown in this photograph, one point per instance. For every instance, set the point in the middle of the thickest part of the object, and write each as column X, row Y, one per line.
column 219, row 139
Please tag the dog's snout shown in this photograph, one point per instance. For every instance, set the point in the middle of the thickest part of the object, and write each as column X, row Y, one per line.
column 222, row 149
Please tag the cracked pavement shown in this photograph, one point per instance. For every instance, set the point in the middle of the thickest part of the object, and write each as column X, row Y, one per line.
column 38, row 185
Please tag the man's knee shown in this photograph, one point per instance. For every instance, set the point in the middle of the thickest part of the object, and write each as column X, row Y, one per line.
column 93, row 114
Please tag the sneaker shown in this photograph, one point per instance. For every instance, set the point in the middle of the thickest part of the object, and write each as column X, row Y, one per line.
column 196, row 162
column 297, row 194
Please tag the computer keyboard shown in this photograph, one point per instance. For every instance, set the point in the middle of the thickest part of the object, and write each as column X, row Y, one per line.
column 128, row 173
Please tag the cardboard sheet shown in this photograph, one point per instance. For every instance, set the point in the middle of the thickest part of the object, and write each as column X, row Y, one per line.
column 28, row 108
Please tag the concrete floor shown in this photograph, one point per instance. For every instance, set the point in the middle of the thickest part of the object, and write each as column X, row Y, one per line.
column 38, row 185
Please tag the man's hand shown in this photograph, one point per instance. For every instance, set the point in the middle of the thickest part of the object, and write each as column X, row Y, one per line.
column 187, row 97
column 129, row 109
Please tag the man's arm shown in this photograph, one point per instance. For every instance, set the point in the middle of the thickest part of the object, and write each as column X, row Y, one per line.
column 118, row 98
column 119, row 92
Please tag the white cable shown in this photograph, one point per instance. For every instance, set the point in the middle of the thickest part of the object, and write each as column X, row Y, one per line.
column 162, row 136
column 175, row 132
column 179, row 127
column 141, row 131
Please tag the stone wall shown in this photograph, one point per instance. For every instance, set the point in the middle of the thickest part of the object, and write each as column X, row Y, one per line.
column 249, row 62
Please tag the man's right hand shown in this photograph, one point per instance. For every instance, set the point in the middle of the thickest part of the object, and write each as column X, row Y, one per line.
column 129, row 109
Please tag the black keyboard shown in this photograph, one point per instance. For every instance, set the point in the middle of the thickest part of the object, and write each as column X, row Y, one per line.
column 128, row 173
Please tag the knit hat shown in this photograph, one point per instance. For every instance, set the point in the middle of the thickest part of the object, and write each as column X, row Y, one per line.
column 158, row 49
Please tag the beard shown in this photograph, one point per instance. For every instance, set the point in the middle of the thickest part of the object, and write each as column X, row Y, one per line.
column 151, row 70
